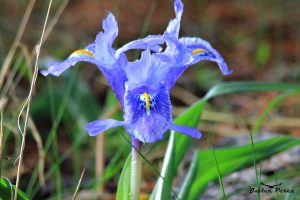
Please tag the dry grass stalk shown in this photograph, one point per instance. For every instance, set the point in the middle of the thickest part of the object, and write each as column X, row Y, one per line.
column 77, row 188
column 13, row 48
column 99, row 154
column 28, row 101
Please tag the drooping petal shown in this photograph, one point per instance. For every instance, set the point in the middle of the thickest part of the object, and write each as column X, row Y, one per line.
column 86, row 55
column 184, row 53
column 202, row 50
column 193, row 132
column 151, row 42
column 147, row 113
column 99, row 126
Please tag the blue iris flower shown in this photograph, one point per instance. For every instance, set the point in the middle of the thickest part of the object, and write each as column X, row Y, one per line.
column 143, row 86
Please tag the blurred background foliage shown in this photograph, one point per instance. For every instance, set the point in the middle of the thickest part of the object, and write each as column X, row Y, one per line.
column 260, row 41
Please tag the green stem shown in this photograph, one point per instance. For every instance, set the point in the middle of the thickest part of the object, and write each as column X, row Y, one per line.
column 136, row 169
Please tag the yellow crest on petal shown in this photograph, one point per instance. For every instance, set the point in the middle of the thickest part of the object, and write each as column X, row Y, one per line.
column 82, row 51
column 147, row 100
column 196, row 51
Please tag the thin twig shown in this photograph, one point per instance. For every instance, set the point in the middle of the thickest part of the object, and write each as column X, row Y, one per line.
column 77, row 188
column 35, row 73
column 13, row 48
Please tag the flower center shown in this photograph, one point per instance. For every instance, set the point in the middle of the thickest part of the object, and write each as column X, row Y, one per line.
column 145, row 97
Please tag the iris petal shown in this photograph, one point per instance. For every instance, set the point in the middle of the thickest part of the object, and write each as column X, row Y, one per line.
column 193, row 132
column 183, row 53
column 137, row 71
column 193, row 44
column 99, row 126
column 111, row 67
column 56, row 68
column 104, row 52
column 174, row 24
column 151, row 42
column 144, row 126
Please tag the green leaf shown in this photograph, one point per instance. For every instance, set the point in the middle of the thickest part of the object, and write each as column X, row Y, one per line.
column 190, row 177
column 235, row 87
column 165, row 183
column 7, row 191
column 123, row 192
column 271, row 105
column 191, row 117
column 233, row 159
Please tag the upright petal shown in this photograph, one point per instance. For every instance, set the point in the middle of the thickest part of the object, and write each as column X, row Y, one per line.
column 116, row 77
column 104, row 51
column 111, row 67
column 86, row 55
column 137, row 71
column 99, row 126
column 174, row 24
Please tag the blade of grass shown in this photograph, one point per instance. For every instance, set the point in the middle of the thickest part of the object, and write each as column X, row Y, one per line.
column 238, row 87
column 217, row 167
column 235, row 158
column 167, row 171
column 255, row 168
column 271, row 105
column 7, row 190
column 189, row 178
column 58, row 178
column 123, row 191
